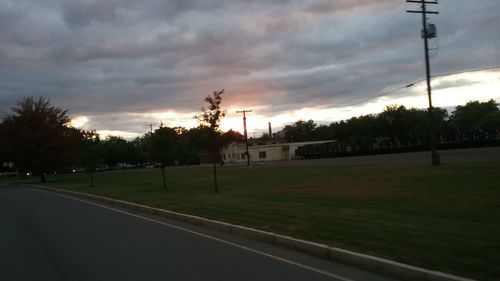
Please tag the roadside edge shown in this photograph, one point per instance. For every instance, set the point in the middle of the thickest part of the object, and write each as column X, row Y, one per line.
column 371, row 263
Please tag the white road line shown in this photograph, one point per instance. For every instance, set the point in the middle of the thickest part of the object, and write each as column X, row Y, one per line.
column 205, row 236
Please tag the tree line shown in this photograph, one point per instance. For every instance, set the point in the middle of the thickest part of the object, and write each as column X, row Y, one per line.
column 36, row 137
column 398, row 126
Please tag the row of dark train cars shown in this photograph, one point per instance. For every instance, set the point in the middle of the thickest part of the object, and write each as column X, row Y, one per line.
column 333, row 149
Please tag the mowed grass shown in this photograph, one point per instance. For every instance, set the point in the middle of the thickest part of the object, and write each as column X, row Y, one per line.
column 444, row 218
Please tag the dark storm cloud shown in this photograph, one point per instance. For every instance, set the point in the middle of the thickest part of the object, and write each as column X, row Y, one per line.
column 104, row 58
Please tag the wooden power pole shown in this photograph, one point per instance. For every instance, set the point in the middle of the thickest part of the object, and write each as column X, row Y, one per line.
column 428, row 32
column 245, row 132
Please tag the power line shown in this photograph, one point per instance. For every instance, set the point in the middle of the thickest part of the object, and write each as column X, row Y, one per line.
column 492, row 41
column 466, row 71
column 383, row 94
column 422, row 80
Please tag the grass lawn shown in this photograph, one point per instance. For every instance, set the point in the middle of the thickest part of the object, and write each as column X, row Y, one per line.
column 445, row 218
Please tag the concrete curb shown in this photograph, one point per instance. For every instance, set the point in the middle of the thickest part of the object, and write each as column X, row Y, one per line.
column 370, row 263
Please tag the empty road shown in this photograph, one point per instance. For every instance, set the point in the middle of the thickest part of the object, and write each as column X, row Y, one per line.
column 45, row 236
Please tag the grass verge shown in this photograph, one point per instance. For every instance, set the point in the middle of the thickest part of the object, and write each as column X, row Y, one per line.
column 444, row 218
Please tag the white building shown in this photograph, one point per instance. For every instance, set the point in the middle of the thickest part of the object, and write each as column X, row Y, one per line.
column 262, row 151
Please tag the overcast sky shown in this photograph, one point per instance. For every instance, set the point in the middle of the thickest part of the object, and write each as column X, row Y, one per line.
column 120, row 64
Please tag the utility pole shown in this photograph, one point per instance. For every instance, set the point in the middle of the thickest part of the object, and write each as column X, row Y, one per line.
column 245, row 132
column 150, row 126
column 428, row 31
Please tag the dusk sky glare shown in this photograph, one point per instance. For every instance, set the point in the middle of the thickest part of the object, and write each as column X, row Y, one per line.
column 118, row 65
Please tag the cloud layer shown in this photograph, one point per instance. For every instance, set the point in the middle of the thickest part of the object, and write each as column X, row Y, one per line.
column 113, row 60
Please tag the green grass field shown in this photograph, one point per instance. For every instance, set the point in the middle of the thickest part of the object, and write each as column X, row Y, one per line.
column 445, row 218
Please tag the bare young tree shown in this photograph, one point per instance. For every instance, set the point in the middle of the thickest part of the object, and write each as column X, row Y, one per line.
column 92, row 154
column 162, row 147
column 211, row 117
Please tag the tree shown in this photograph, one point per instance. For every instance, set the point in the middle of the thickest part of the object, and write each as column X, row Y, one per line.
column 211, row 117
column 115, row 151
column 265, row 137
column 4, row 155
column 441, row 120
column 163, row 147
column 136, row 155
column 393, row 116
column 323, row 132
column 192, row 142
column 3, row 143
column 417, row 125
column 231, row 136
column 300, row 131
column 38, row 137
column 92, row 153
column 476, row 120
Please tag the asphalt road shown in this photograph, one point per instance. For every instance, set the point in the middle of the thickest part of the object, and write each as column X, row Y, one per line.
column 45, row 236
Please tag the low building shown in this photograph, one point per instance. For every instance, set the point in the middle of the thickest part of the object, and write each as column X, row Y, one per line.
column 262, row 151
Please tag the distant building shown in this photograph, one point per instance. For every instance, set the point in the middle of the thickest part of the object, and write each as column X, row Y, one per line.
column 263, row 151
